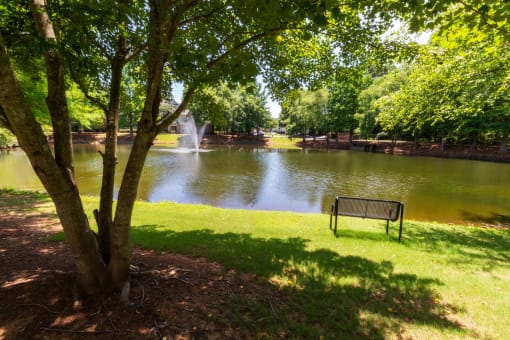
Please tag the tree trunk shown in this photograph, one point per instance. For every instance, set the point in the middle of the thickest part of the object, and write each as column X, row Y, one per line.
column 503, row 146
column 56, row 178
column 121, row 241
column 121, row 237
column 474, row 141
column 56, row 99
column 104, row 215
column 161, row 28
column 443, row 143
column 131, row 131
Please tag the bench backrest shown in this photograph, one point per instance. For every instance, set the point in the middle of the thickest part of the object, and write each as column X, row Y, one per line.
column 367, row 208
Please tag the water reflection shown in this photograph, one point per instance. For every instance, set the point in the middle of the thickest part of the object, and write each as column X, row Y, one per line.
column 305, row 181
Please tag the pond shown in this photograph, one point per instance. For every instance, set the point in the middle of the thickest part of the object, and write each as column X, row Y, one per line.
column 432, row 189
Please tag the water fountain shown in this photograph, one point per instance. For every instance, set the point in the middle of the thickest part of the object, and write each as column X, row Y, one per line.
column 190, row 142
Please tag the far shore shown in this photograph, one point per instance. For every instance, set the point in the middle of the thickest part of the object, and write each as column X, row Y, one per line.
column 481, row 152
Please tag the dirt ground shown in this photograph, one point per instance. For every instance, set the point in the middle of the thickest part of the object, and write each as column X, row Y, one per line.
column 182, row 297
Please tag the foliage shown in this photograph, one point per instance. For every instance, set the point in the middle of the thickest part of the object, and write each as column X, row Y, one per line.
column 6, row 137
column 491, row 17
column 344, row 101
column 132, row 98
column 33, row 82
column 371, row 100
column 238, row 109
column 84, row 114
column 305, row 112
column 457, row 88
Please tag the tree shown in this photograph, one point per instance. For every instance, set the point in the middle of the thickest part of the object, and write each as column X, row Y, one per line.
column 305, row 112
column 238, row 108
column 131, row 100
column 193, row 42
column 369, row 104
column 457, row 88
column 209, row 105
column 246, row 109
column 344, row 103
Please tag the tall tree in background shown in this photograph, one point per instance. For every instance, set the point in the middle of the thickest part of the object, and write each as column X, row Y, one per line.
column 306, row 112
column 239, row 109
column 344, row 103
column 458, row 88
column 198, row 43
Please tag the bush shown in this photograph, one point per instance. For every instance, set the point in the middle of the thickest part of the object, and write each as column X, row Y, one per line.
column 6, row 138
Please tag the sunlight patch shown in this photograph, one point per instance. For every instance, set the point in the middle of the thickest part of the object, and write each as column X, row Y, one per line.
column 19, row 281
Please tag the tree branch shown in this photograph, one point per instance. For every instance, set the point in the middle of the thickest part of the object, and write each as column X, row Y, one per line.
column 199, row 17
column 56, row 100
column 242, row 45
column 84, row 89
column 136, row 52
column 164, row 121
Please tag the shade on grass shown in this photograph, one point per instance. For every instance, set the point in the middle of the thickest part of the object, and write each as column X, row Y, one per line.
column 442, row 281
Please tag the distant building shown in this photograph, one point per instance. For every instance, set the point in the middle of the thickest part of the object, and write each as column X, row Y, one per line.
column 167, row 107
column 176, row 126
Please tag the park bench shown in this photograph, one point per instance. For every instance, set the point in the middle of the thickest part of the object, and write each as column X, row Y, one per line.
column 367, row 208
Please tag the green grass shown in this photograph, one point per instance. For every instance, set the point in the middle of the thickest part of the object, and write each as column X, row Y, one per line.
column 23, row 201
column 282, row 142
column 442, row 281
column 168, row 139
column 275, row 142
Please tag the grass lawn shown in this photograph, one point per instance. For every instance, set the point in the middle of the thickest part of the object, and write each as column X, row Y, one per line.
column 275, row 142
column 442, row 281
column 168, row 139
column 282, row 142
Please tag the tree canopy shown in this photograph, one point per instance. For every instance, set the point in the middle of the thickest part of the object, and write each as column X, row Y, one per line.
column 236, row 109
column 457, row 88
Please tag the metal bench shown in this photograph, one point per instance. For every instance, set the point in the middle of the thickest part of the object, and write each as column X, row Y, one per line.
column 367, row 208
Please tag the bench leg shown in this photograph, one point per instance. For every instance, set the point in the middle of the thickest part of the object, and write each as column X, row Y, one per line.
column 331, row 217
column 387, row 226
column 401, row 219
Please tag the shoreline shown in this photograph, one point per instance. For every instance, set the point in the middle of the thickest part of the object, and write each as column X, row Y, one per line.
column 488, row 153
column 480, row 153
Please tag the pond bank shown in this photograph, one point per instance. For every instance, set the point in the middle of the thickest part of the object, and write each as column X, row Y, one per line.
column 480, row 153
